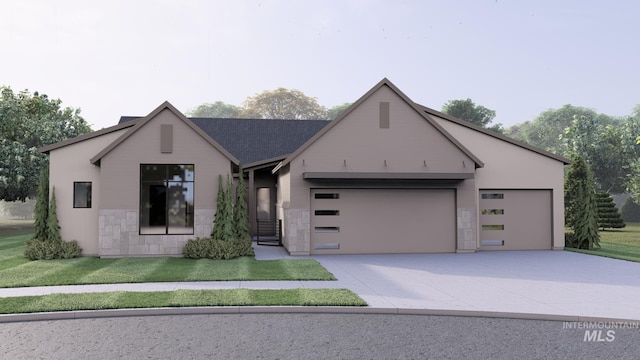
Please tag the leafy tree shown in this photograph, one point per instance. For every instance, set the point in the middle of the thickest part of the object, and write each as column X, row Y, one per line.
column 41, row 211
column 580, row 205
column 27, row 122
column 608, row 215
column 218, row 109
column 610, row 150
column 476, row 114
column 283, row 104
column 630, row 211
column 53, row 227
column 546, row 129
column 335, row 111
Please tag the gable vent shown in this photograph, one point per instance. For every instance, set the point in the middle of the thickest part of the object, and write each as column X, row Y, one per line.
column 384, row 115
column 166, row 138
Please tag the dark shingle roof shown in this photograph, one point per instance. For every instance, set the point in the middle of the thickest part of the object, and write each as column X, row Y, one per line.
column 253, row 140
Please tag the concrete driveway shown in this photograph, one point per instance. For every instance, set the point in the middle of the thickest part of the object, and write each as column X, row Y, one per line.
column 519, row 282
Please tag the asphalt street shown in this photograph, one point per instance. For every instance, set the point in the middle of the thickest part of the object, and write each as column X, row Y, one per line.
column 313, row 336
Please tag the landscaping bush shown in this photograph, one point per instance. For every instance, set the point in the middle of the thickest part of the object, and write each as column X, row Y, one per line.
column 48, row 250
column 69, row 249
column 41, row 250
column 197, row 248
column 208, row 248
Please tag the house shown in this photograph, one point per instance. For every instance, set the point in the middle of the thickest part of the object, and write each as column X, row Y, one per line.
column 387, row 176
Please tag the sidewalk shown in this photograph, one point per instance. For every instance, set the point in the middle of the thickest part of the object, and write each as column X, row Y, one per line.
column 524, row 284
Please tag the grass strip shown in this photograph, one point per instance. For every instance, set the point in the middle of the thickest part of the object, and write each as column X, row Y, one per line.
column 180, row 298
column 613, row 251
column 89, row 270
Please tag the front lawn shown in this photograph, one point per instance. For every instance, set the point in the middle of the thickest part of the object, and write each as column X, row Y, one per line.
column 17, row 271
column 179, row 298
column 621, row 244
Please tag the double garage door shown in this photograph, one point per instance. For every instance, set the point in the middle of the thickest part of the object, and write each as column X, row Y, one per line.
column 378, row 221
column 515, row 220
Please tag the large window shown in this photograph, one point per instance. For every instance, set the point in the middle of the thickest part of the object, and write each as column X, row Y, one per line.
column 166, row 199
column 82, row 194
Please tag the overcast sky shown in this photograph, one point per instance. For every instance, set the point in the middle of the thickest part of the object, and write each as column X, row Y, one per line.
column 519, row 58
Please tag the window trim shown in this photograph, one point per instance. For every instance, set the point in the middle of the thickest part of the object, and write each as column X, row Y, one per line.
column 89, row 194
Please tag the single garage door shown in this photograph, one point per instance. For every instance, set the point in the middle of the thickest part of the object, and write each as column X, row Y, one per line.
column 379, row 221
column 515, row 220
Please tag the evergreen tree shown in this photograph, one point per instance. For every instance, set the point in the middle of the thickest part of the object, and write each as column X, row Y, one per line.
column 215, row 233
column 581, row 214
column 241, row 218
column 608, row 214
column 53, row 228
column 41, row 210
column 227, row 232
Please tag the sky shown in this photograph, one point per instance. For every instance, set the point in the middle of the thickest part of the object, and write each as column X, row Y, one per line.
column 517, row 57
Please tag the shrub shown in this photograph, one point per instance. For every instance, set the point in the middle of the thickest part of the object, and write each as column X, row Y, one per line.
column 196, row 248
column 70, row 249
column 48, row 250
column 41, row 250
column 208, row 248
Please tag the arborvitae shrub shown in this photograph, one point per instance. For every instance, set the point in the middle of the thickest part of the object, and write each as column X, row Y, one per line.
column 608, row 214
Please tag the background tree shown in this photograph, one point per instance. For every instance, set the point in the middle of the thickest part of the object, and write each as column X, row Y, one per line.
column 476, row 114
column 41, row 211
column 580, row 205
column 608, row 215
column 335, row 111
column 605, row 149
column 630, row 211
column 546, row 129
column 283, row 104
column 218, row 109
column 28, row 122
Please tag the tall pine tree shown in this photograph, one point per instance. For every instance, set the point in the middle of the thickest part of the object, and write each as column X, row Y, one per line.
column 41, row 210
column 53, row 227
column 215, row 233
column 581, row 214
column 241, row 217
column 227, row 231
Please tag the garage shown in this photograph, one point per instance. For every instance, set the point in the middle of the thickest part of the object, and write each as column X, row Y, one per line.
column 515, row 220
column 379, row 221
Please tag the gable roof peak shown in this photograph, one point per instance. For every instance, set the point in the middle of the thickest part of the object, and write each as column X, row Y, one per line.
column 384, row 82
column 166, row 105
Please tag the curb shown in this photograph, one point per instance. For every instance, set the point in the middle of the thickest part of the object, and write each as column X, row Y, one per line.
column 98, row 314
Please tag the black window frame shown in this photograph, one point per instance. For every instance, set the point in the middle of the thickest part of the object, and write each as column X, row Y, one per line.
column 164, row 183
column 88, row 194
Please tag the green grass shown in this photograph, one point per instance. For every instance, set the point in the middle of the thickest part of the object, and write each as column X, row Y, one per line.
column 621, row 244
column 17, row 271
column 179, row 298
